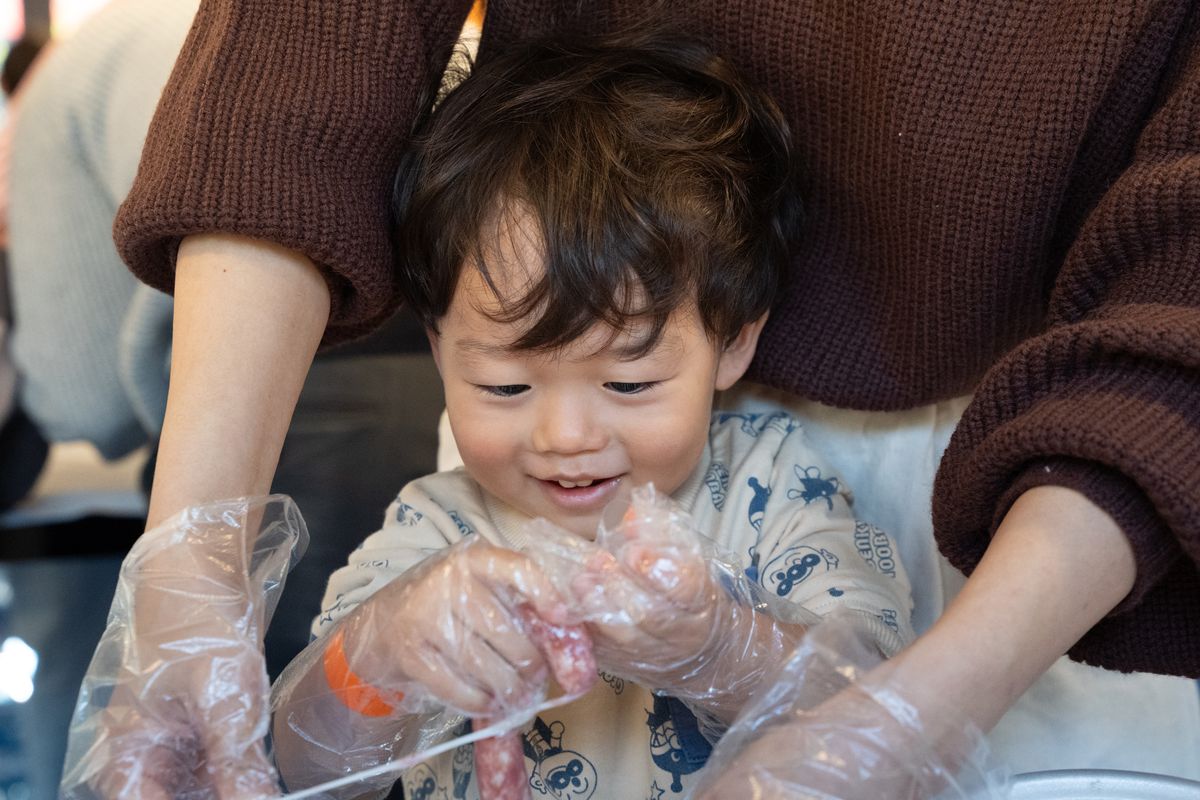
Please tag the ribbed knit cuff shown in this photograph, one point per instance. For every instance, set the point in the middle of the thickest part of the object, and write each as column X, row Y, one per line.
column 285, row 121
column 1154, row 549
column 1158, row 635
column 1123, row 431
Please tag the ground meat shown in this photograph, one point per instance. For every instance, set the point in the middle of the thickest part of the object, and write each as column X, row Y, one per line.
column 500, row 768
column 500, row 761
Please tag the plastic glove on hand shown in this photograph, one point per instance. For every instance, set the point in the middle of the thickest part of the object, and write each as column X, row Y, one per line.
column 174, row 703
column 830, row 726
column 461, row 630
column 666, row 609
column 500, row 761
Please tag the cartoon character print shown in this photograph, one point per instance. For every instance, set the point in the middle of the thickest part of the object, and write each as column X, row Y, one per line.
column 327, row 614
column 717, row 481
column 875, row 548
column 758, row 503
column 813, row 486
column 421, row 783
column 754, row 424
column 752, row 570
column 463, row 528
column 615, row 682
column 795, row 565
column 461, row 767
column 750, row 425
column 676, row 744
column 407, row 515
column 557, row 772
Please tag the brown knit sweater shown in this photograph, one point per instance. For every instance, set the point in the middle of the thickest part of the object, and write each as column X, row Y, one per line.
column 1002, row 197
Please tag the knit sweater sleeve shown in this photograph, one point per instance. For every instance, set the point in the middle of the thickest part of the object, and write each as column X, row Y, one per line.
column 284, row 121
column 1107, row 399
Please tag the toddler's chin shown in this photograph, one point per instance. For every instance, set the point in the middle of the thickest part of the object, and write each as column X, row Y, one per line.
column 583, row 528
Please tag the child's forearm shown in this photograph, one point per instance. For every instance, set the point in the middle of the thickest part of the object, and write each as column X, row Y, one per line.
column 763, row 645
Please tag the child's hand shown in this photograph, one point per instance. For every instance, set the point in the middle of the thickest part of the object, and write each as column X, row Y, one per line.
column 651, row 606
column 467, row 627
column 665, row 610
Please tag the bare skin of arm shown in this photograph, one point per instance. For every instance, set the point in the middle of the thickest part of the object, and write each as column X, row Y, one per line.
column 1056, row 566
column 248, row 318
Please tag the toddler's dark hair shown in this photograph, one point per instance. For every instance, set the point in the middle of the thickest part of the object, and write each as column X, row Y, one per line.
column 654, row 174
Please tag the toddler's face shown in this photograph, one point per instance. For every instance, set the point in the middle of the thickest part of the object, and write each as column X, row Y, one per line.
column 556, row 435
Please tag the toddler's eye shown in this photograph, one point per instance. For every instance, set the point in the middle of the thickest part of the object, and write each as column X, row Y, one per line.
column 507, row 390
column 622, row 387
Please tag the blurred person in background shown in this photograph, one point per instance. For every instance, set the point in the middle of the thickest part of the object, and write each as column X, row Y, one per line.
column 92, row 345
column 22, row 448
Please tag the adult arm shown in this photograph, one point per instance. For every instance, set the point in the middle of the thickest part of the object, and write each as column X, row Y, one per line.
column 275, row 126
column 248, row 318
column 280, row 123
column 1057, row 565
column 239, row 363
column 1103, row 401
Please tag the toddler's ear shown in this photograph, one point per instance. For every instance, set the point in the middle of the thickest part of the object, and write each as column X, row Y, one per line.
column 736, row 356
column 434, row 340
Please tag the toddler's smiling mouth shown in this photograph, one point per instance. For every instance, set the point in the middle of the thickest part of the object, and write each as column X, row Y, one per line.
column 580, row 494
column 576, row 484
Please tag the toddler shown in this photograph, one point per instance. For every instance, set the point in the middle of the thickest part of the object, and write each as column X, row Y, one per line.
column 592, row 233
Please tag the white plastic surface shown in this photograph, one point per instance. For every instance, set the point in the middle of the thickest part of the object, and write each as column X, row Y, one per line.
column 1098, row 784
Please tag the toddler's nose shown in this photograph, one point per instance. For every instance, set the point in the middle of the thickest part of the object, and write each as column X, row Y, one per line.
column 564, row 426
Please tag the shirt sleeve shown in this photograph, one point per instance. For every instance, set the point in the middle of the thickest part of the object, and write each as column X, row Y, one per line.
column 415, row 527
column 805, row 545
column 284, row 121
column 1104, row 400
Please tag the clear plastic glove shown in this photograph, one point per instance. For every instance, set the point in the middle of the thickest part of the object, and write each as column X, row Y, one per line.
column 475, row 630
column 174, row 702
column 667, row 610
column 826, row 727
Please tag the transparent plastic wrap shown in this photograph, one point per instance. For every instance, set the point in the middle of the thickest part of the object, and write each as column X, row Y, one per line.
column 827, row 726
column 174, row 703
column 482, row 632
column 668, row 610
column 475, row 631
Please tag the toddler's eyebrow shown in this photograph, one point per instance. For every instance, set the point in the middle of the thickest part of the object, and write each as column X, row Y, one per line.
column 621, row 349
column 477, row 347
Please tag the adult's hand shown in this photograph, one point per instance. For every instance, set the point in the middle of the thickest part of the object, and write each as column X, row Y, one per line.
column 860, row 744
column 836, row 722
column 175, row 700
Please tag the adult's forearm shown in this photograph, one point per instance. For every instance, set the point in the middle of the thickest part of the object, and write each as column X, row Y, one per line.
column 1056, row 566
column 248, row 318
